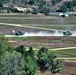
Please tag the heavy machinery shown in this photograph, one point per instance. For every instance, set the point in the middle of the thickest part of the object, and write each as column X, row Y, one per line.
column 17, row 33
column 66, row 33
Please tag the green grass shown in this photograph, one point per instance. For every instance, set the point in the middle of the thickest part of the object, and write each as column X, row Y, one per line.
column 17, row 15
column 60, row 53
column 51, row 39
column 40, row 24
column 22, row 38
column 71, row 53
column 60, row 27
column 66, row 53
column 27, row 21
column 40, row 21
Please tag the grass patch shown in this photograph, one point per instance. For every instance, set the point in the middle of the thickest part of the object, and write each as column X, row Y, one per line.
column 60, row 27
column 22, row 38
column 66, row 53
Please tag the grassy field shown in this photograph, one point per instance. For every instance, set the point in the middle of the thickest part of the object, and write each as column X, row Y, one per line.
column 49, row 41
column 47, row 26
column 38, row 42
column 67, row 53
column 51, row 22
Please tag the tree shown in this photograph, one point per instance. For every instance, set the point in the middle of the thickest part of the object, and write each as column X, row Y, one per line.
column 54, row 63
column 63, row 8
column 55, row 1
column 1, row 5
column 25, row 2
column 21, row 49
column 4, row 45
column 31, row 52
column 14, row 1
column 42, row 59
column 45, row 10
column 48, row 61
column 17, row 61
column 67, row 6
column 30, row 65
column 30, row 61
column 12, row 63
column 8, row 9
column 31, row 2
column 41, row 4
column 74, row 2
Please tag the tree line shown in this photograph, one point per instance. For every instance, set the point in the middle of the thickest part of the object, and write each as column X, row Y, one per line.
column 68, row 6
column 20, row 61
column 43, row 6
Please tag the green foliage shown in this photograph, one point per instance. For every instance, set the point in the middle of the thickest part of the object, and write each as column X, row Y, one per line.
column 63, row 8
column 55, row 1
column 30, row 66
column 68, row 5
column 74, row 2
column 72, row 74
column 12, row 64
column 42, row 58
column 45, row 10
column 22, row 62
column 54, row 63
column 16, row 62
column 1, row 5
column 48, row 60
column 31, row 52
column 31, row 2
column 42, row 50
column 21, row 49
column 4, row 45
column 30, row 62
